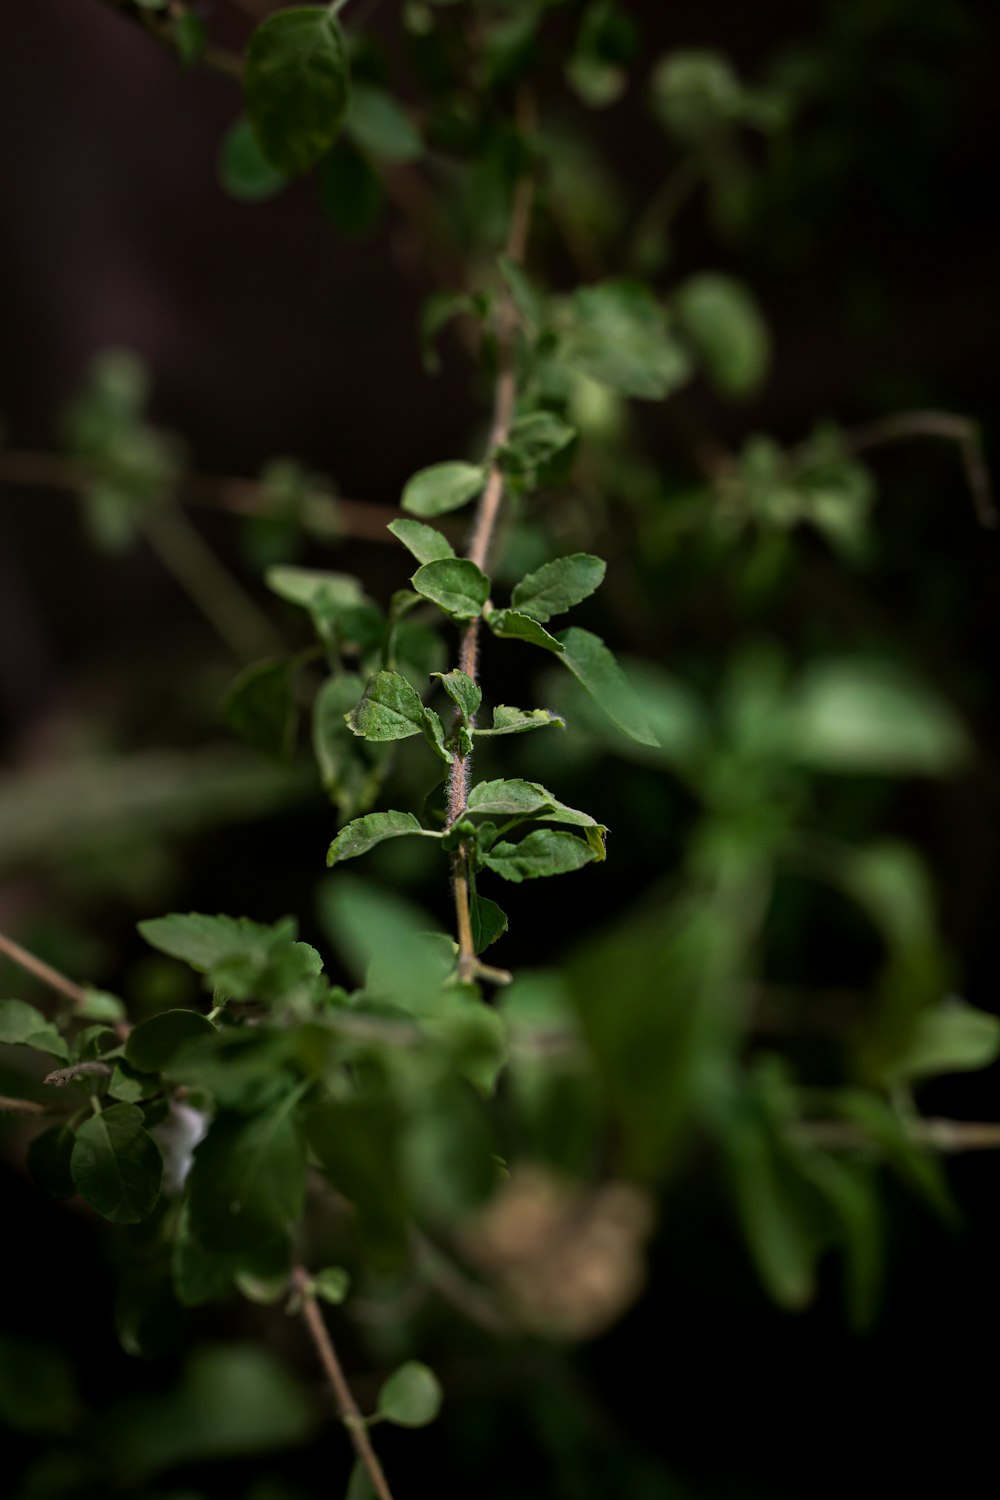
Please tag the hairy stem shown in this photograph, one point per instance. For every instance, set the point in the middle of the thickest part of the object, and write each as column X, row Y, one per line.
column 343, row 1399
column 484, row 527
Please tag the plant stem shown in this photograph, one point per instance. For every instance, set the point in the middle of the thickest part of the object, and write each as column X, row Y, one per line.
column 343, row 1399
column 484, row 526
column 42, row 970
column 947, row 1136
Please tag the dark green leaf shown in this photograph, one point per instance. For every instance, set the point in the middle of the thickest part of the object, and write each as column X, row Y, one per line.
column 511, row 625
column 726, row 328
column 352, row 769
column 98, row 1005
column 351, row 195
column 455, row 585
column 21, row 1025
column 244, row 170
column 381, row 126
column 534, row 440
column 411, row 1397
column 593, row 665
column 116, row 1165
column 489, row 922
column 442, row 487
column 260, row 707
column 247, row 1184
column 390, row 709
column 425, row 542
column 190, row 38
column 464, row 693
column 296, row 86
column 153, row 1043
column 364, row 833
column 509, row 798
column 558, row 585
column 544, row 852
column 48, row 1161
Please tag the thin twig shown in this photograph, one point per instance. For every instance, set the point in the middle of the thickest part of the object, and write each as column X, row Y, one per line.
column 343, row 1399
column 947, row 1136
column 481, row 538
column 935, row 424
column 42, row 970
column 22, row 1107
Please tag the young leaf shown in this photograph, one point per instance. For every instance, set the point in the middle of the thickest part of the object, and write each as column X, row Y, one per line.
column 433, row 732
column 117, row 1165
column 534, row 440
column 511, row 625
column 296, row 86
column 411, row 1397
column 332, row 1284
column 489, row 921
column 381, row 126
column 260, row 707
column 463, row 692
column 442, row 487
column 364, row 833
column 594, row 667
column 455, row 585
column 21, row 1025
column 247, row 1184
column 951, row 1038
column 425, row 542
column 153, row 1043
column 244, row 170
column 359, row 1484
column 544, row 852
column 725, row 326
column 558, row 585
column 507, row 720
column 390, row 709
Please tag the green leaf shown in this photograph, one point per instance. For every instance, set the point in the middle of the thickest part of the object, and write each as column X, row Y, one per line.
column 247, row 1184
column 153, row 1043
column 411, row 1397
column 364, row 833
column 511, row 625
column 381, row 126
column 48, row 1161
column 507, row 720
column 952, row 1038
column 99, row 1005
column 595, row 668
column 352, row 769
column 858, row 716
column 463, row 692
column 129, row 1085
column 117, row 1165
column 616, row 333
column 725, row 326
column 359, row 1485
column 332, row 1284
column 244, row 170
column 558, row 585
column 546, row 851
column 442, row 487
column 296, row 86
column 390, row 709
column 425, row 542
column 534, row 440
column 204, row 941
column 774, row 1210
column 260, row 707
column 489, row 921
column 455, row 585
column 695, row 92
column 509, row 798
column 21, row 1025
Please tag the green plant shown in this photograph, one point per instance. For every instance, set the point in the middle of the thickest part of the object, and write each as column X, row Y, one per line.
column 528, row 1204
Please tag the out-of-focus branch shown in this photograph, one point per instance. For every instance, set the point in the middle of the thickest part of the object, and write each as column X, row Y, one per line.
column 947, row 1136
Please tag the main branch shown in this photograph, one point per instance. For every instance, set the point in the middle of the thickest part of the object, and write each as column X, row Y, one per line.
column 484, row 527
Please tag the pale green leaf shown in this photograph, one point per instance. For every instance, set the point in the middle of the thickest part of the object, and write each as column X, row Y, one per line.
column 616, row 333
column 534, row 440
column 411, row 1397
column 861, row 716
column 507, row 720
column 727, row 330
column 953, row 1037
column 442, row 487
column 425, row 542
column 332, row 1283
column 21, row 1025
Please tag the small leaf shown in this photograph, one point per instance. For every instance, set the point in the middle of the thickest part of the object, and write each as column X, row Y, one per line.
column 511, row 625
column 296, row 86
column 442, row 487
column 390, row 709
column 411, row 1397
column 153, row 1043
column 332, row 1284
column 725, row 325
column 381, row 126
column 455, row 585
column 425, row 542
column 98, row 1005
column 595, row 668
column 489, row 922
column 117, row 1166
column 507, row 720
column 260, row 707
column 364, row 833
column 21, row 1025
column 558, row 585
column 534, row 440
column 244, row 170
column 951, row 1038
column 359, row 1485
column 544, row 852
column 463, row 692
